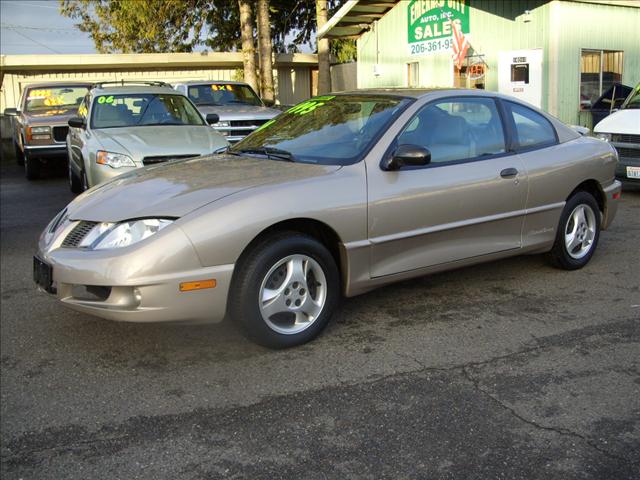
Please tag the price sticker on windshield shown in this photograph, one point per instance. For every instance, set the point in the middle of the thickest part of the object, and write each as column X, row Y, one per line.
column 310, row 105
column 222, row 87
column 105, row 99
column 39, row 94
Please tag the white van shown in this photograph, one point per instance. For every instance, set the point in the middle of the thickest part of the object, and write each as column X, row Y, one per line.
column 622, row 129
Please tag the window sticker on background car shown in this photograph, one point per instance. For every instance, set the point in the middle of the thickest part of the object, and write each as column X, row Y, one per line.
column 39, row 94
column 222, row 87
column 82, row 110
column 105, row 99
column 310, row 105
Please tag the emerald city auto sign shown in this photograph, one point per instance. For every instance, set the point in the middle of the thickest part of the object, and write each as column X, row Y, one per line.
column 430, row 24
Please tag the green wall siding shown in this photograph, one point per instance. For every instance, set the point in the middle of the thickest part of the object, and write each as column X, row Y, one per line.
column 559, row 28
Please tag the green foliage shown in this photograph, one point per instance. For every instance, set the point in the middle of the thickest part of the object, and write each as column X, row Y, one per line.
column 152, row 26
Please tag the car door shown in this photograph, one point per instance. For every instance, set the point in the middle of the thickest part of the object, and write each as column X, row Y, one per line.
column 467, row 202
column 78, row 137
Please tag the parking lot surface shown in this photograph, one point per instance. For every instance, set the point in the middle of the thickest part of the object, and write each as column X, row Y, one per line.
column 506, row 370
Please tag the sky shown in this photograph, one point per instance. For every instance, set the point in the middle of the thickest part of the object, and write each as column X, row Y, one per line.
column 36, row 26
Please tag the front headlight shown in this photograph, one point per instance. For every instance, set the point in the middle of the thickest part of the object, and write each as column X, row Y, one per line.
column 114, row 160
column 116, row 235
column 604, row 136
column 39, row 133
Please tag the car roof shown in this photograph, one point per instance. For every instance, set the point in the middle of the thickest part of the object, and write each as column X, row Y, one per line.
column 211, row 82
column 58, row 84
column 133, row 89
column 416, row 92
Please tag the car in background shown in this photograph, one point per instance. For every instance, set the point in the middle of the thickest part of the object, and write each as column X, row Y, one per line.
column 622, row 130
column 122, row 126
column 337, row 196
column 40, row 123
column 240, row 110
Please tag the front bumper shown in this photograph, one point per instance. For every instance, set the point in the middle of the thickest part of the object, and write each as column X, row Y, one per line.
column 143, row 283
column 46, row 151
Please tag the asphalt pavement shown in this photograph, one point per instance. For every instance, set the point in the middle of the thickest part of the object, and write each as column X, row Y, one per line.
column 511, row 370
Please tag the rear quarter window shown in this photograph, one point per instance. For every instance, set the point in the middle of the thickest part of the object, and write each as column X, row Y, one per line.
column 532, row 130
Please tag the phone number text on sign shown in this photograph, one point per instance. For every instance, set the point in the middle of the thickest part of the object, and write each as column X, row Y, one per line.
column 432, row 46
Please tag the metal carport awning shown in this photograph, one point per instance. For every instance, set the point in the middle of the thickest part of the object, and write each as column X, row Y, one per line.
column 355, row 17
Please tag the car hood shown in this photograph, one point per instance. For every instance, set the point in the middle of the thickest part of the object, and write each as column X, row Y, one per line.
column 238, row 111
column 167, row 140
column 177, row 188
column 623, row 121
column 53, row 116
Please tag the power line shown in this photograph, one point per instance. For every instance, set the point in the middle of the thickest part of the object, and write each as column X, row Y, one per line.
column 35, row 41
column 13, row 26
column 30, row 4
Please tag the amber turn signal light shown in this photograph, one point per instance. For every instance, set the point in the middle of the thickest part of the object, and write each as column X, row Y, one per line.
column 197, row 285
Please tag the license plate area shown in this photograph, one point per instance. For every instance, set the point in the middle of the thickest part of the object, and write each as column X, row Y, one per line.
column 633, row 172
column 43, row 275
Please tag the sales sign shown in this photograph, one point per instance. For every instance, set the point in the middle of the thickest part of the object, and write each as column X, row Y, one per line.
column 430, row 24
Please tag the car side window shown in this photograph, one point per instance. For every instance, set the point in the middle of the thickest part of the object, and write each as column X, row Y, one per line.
column 532, row 129
column 457, row 129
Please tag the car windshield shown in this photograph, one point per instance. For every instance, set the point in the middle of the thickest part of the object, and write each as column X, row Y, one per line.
column 143, row 109
column 633, row 100
column 43, row 98
column 223, row 94
column 329, row 130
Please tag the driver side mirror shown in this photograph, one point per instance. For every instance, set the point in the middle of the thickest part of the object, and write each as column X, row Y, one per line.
column 77, row 122
column 407, row 156
column 212, row 118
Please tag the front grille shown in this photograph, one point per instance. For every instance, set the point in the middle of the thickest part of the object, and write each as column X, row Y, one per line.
column 248, row 123
column 78, row 233
column 628, row 152
column 60, row 133
column 165, row 158
column 625, row 138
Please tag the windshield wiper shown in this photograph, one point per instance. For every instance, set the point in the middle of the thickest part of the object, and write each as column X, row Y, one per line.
column 270, row 152
column 209, row 104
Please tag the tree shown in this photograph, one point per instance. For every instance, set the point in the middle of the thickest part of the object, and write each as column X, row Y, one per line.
column 149, row 26
column 324, row 63
column 266, row 51
column 248, row 46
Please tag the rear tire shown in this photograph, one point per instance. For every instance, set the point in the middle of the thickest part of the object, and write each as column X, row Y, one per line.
column 31, row 167
column 578, row 232
column 285, row 290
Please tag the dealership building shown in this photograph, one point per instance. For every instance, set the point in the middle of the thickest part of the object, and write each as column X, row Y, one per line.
column 558, row 55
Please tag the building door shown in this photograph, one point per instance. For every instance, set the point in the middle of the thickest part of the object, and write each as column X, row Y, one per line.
column 520, row 75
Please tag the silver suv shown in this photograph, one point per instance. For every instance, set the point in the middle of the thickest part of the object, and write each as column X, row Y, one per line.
column 240, row 110
column 126, row 126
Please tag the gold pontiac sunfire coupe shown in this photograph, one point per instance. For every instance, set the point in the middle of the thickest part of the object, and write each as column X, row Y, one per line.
column 339, row 195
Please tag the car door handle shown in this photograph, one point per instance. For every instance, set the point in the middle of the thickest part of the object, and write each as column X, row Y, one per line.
column 509, row 172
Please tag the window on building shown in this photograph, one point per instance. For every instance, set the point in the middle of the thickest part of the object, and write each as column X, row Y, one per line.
column 532, row 129
column 457, row 129
column 412, row 74
column 599, row 70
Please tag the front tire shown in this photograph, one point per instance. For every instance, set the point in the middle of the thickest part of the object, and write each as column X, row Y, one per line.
column 578, row 232
column 31, row 167
column 285, row 290
column 75, row 182
column 19, row 154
